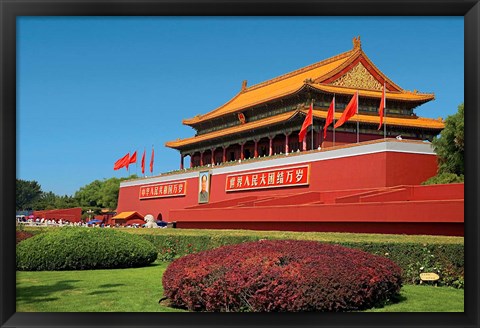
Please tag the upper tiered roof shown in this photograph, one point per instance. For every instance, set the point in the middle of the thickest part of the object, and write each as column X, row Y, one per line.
column 341, row 74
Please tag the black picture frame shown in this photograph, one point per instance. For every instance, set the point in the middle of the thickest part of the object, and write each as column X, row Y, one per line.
column 10, row 9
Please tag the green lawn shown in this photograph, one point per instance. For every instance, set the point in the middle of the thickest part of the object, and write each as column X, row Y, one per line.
column 426, row 299
column 139, row 290
column 119, row 290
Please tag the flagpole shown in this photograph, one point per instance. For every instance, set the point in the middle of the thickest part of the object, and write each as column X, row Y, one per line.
column 384, row 125
column 334, row 119
column 384, row 112
column 358, row 123
column 312, row 123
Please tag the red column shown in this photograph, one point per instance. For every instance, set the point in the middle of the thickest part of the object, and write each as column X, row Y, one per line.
column 304, row 144
column 213, row 158
column 256, row 149
column 201, row 158
column 241, row 151
column 286, row 143
column 224, row 159
column 191, row 160
column 270, row 149
column 181, row 161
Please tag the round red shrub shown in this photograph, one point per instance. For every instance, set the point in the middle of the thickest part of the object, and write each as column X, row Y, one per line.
column 22, row 235
column 281, row 275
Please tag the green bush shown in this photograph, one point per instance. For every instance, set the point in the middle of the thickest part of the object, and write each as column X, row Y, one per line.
column 447, row 260
column 82, row 248
column 170, row 247
column 443, row 178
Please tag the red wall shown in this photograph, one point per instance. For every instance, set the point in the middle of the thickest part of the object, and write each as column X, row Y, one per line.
column 70, row 214
column 343, row 138
column 367, row 171
column 300, row 213
column 413, row 170
column 410, row 211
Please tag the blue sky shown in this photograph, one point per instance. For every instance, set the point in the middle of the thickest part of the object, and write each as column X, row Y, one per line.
column 91, row 89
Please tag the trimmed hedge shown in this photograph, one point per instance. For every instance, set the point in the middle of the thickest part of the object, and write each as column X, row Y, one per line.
column 414, row 254
column 82, row 248
column 281, row 275
column 447, row 260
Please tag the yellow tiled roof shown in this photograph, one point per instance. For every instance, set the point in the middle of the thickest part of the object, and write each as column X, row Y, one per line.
column 273, row 89
column 410, row 122
column 234, row 129
column 419, row 122
column 405, row 95
column 126, row 215
column 292, row 82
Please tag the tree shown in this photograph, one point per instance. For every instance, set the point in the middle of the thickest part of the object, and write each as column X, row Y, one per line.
column 27, row 193
column 46, row 201
column 65, row 202
column 100, row 194
column 88, row 196
column 109, row 193
column 449, row 147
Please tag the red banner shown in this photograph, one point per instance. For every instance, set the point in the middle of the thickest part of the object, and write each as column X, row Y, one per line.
column 274, row 178
column 169, row 189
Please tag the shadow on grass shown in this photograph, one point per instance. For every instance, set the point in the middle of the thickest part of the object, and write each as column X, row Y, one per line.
column 107, row 291
column 111, row 285
column 99, row 292
column 394, row 300
column 32, row 294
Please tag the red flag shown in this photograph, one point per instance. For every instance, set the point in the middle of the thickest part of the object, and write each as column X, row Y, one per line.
column 151, row 161
column 329, row 120
column 133, row 158
column 349, row 111
column 122, row 162
column 143, row 162
column 382, row 107
column 308, row 121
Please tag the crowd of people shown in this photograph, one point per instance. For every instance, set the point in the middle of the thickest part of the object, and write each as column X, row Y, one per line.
column 42, row 222
column 45, row 222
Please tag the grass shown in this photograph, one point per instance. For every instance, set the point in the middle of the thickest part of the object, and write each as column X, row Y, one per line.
column 418, row 298
column 139, row 290
column 318, row 236
column 119, row 290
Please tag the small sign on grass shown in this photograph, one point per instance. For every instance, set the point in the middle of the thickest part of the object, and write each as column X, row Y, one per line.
column 429, row 276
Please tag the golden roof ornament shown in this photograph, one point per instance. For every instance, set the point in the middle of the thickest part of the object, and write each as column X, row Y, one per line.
column 357, row 44
column 244, row 85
